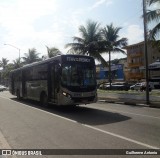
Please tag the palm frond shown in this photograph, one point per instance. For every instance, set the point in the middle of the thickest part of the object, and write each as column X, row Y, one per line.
column 78, row 39
column 4, row 62
column 110, row 33
column 53, row 51
column 119, row 50
column 150, row 2
column 83, row 32
column 121, row 42
column 154, row 32
column 31, row 56
column 76, row 47
column 100, row 59
column 153, row 15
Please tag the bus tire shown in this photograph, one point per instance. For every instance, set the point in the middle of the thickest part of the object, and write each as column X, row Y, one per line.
column 43, row 99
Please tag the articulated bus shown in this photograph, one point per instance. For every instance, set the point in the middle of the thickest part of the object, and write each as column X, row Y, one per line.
column 60, row 80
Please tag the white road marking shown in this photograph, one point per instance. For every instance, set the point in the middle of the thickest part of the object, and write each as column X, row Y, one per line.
column 122, row 137
column 91, row 127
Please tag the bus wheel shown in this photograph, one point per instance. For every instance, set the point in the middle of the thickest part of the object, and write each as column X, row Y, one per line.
column 43, row 99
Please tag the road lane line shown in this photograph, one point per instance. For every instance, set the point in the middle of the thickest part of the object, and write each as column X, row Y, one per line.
column 122, row 137
column 91, row 127
column 118, row 111
column 100, row 130
column 41, row 110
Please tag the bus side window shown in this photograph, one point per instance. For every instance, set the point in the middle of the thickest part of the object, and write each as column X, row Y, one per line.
column 27, row 75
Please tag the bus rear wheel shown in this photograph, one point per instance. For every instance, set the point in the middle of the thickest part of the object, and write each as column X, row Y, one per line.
column 43, row 99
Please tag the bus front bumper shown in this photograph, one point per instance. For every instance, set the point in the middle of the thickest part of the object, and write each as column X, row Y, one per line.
column 66, row 99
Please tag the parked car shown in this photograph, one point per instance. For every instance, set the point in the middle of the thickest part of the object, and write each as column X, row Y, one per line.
column 140, row 86
column 103, row 86
column 136, row 87
column 2, row 88
column 115, row 86
column 143, row 86
column 120, row 86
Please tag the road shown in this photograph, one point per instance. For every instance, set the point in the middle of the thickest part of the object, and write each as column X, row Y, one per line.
column 27, row 125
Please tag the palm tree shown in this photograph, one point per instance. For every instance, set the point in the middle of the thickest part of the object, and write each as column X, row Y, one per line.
column 152, row 1
column 154, row 16
column 3, row 63
column 31, row 56
column 17, row 63
column 53, row 51
column 5, row 74
column 89, row 43
column 114, row 43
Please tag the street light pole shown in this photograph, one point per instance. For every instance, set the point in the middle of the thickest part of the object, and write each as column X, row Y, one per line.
column 145, row 50
column 16, row 48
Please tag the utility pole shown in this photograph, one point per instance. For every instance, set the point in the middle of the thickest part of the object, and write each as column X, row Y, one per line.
column 16, row 48
column 145, row 50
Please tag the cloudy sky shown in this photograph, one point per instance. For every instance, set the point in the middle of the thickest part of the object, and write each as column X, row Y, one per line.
column 25, row 24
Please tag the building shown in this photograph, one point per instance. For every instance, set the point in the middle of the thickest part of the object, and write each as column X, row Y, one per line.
column 136, row 61
column 117, row 71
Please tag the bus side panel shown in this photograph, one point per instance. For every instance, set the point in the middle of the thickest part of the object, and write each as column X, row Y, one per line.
column 35, row 88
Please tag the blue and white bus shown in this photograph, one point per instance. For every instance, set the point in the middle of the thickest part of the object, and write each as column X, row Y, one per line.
column 61, row 80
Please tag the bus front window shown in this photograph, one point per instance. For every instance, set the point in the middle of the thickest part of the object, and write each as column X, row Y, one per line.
column 78, row 75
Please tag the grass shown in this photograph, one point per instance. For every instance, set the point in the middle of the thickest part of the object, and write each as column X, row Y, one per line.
column 153, row 92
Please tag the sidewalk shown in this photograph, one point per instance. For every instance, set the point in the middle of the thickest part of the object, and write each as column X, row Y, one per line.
column 129, row 99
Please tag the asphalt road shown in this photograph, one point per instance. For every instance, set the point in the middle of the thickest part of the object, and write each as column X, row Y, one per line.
column 27, row 125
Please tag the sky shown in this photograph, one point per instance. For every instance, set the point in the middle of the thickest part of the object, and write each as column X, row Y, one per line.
column 26, row 24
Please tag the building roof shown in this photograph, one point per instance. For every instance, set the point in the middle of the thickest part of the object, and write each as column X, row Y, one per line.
column 140, row 43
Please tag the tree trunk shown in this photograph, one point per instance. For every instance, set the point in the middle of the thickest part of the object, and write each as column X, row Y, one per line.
column 109, row 72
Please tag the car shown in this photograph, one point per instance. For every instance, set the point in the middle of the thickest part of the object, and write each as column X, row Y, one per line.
column 2, row 88
column 115, row 86
column 136, row 86
column 141, row 86
column 104, row 86
column 120, row 86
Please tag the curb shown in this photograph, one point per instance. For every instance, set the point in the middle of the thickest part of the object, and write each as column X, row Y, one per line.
column 133, row 102
column 125, row 103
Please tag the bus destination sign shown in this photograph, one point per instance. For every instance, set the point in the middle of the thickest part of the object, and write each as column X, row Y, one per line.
column 78, row 59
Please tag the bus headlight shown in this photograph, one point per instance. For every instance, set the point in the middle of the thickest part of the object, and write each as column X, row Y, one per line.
column 66, row 95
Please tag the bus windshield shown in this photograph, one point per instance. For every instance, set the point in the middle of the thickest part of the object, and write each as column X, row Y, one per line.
column 78, row 75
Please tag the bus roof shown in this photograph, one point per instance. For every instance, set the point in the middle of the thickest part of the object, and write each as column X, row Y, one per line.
column 59, row 58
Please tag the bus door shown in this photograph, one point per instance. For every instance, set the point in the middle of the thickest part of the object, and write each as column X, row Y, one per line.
column 53, row 82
